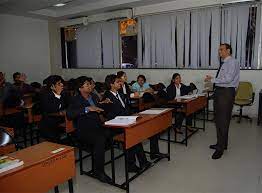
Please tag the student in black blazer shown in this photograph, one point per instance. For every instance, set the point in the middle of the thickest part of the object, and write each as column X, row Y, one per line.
column 175, row 89
column 125, row 89
column 118, row 107
column 52, row 106
column 85, row 112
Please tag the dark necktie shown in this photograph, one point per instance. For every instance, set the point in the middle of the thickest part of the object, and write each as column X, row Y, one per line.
column 221, row 64
column 219, row 69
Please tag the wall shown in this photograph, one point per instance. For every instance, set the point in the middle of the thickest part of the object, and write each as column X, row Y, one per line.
column 24, row 47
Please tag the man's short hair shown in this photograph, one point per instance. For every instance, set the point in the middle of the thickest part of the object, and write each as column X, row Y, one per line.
column 110, row 79
column 16, row 74
column 228, row 47
column 82, row 80
column 142, row 76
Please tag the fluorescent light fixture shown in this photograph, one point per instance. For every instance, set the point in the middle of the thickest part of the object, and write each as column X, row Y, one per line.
column 59, row 5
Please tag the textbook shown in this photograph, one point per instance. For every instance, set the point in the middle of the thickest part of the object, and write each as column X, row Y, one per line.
column 122, row 120
column 8, row 163
column 153, row 111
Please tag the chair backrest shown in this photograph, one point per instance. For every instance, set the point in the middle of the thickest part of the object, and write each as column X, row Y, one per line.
column 5, row 138
column 244, row 91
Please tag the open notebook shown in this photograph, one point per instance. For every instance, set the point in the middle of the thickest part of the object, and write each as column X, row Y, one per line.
column 122, row 120
column 154, row 111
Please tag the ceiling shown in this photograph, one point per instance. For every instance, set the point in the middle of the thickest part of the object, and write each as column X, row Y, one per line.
column 73, row 8
column 76, row 8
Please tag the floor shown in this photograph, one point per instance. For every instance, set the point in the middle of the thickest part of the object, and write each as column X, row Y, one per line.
column 191, row 169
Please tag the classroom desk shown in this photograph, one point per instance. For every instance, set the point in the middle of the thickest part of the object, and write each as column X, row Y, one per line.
column 8, row 148
column 189, row 107
column 141, row 105
column 41, row 171
column 145, row 127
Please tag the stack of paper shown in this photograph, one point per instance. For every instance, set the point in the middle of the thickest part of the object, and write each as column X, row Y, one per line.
column 122, row 120
column 8, row 163
column 187, row 96
column 153, row 111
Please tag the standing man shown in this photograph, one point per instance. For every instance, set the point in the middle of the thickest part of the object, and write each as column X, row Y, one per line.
column 225, row 84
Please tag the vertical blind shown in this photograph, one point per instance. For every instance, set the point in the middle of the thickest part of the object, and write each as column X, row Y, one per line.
column 190, row 39
column 98, row 45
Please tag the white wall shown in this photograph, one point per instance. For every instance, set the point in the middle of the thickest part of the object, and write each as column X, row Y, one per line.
column 24, row 47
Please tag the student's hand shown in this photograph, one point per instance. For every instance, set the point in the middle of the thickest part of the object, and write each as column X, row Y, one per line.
column 106, row 101
column 95, row 109
column 208, row 78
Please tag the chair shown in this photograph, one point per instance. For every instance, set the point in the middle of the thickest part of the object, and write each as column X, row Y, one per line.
column 244, row 97
column 5, row 138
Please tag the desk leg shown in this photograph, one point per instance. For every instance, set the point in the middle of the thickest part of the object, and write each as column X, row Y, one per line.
column 204, row 121
column 126, row 170
column 70, row 186
column 186, row 136
column 168, row 143
column 113, row 163
column 56, row 189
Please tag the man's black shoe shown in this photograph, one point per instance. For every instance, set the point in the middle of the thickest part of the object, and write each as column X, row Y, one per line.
column 157, row 155
column 103, row 178
column 217, row 154
column 215, row 147
column 133, row 169
column 145, row 165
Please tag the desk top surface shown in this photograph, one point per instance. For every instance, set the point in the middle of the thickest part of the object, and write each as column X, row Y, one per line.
column 140, row 120
column 185, row 101
column 36, row 154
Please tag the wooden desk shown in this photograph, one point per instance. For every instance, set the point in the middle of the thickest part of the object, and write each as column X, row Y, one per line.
column 145, row 127
column 189, row 107
column 141, row 105
column 41, row 171
column 8, row 148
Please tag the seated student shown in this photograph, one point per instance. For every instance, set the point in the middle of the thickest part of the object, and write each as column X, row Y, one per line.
column 84, row 111
column 125, row 89
column 19, row 82
column 52, row 106
column 118, row 107
column 95, row 91
column 10, row 97
column 176, row 89
column 141, row 85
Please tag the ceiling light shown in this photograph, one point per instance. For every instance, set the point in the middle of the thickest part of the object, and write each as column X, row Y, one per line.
column 59, row 5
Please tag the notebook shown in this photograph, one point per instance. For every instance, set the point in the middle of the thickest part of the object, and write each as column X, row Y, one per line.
column 8, row 163
column 122, row 120
column 153, row 111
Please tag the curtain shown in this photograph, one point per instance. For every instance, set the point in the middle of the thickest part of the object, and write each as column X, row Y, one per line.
column 89, row 46
column 257, row 54
column 154, row 40
column 234, row 30
column 205, row 37
column 183, row 32
column 110, row 44
column 179, row 40
column 98, row 45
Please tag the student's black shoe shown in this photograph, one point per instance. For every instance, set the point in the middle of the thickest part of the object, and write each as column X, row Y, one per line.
column 215, row 147
column 133, row 169
column 145, row 165
column 103, row 178
column 217, row 154
column 157, row 155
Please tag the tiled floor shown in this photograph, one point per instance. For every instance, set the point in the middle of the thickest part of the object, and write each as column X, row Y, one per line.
column 191, row 169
